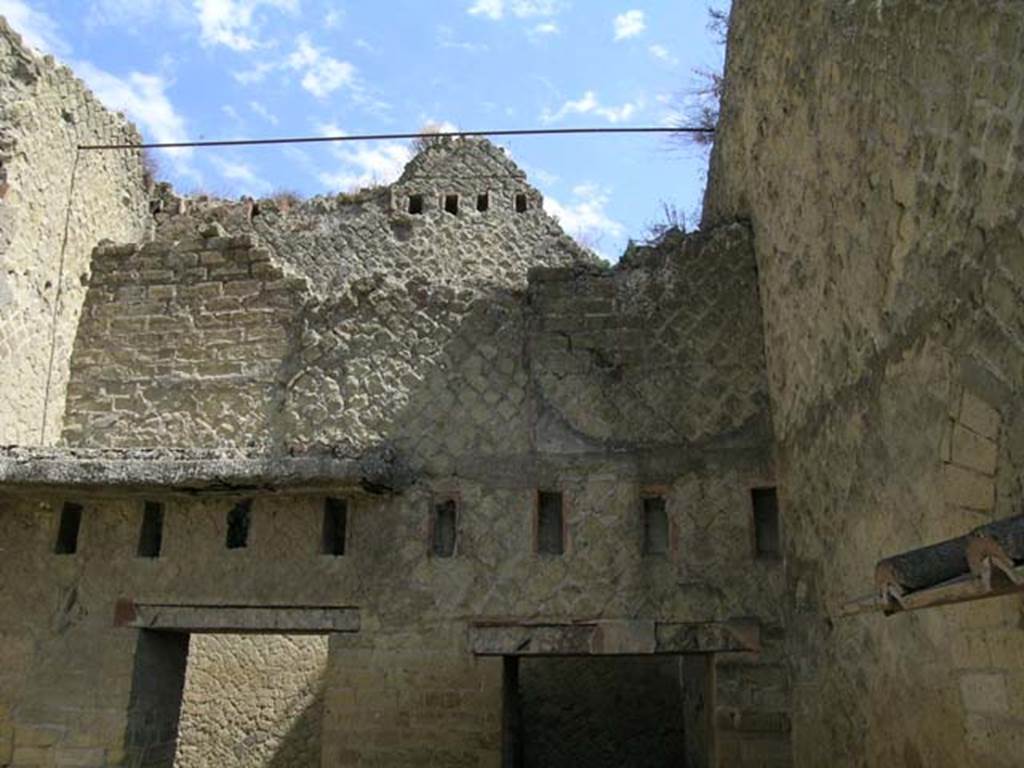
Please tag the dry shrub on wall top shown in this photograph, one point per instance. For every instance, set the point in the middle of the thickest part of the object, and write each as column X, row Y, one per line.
column 697, row 106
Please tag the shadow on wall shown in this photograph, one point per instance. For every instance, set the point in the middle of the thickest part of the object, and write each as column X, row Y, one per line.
column 301, row 746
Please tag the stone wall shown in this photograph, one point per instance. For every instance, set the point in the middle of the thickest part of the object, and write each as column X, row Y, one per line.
column 252, row 702
column 489, row 387
column 55, row 206
column 875, row 147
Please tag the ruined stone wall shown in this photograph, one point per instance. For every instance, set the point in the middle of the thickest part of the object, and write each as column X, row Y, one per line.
column 876, row 149
column 182, row 344
column 252, row 702
column 55, row 206
column 489, row 393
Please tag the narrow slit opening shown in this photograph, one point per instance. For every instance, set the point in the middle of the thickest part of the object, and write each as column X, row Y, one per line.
column 767, row 541
column 67, row 531
column 444, row 529
column 335, row 527
column 550, row 533
column 239, row 519
column 151, row 533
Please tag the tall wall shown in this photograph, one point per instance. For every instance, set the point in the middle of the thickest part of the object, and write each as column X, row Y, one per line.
column 53, row 211
column 489, row 391
column 876, row 148
column 252, row 702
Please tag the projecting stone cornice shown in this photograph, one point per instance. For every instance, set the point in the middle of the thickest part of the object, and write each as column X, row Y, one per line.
column 197, row 470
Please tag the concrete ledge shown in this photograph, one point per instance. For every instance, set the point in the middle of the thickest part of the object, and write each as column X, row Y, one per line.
column 611, row 638
column 228, row 619
column 380, row 470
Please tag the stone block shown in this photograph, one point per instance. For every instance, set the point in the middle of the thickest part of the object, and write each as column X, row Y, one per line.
column 979, row 416
column 967, row 488
column 984, row 692
column 974, row 451
column 81, row 757
column 37, row 736
column 31, row 757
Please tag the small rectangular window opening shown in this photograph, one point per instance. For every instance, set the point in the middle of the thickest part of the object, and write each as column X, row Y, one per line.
column 416, row 204
column 67, row 532
column 550, row 534
column 766, row 522
column 444, row 529
column 483, row 202
column 152, row 532
column 521, row 203
column 451, row 204
column 655, row 526
column 238, row 525
column 335, row 527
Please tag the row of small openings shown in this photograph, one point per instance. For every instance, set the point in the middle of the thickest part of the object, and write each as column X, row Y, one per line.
column 451, row 203
column 550, row 527
column 549, row 536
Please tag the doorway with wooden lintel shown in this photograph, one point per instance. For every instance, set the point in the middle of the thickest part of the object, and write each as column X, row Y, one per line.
column 162, row 658
column 610, row 692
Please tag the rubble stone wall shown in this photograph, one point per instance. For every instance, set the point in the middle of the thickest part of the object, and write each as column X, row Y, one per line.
column 876, row 148
column 55, row 205
column 489, row 393
column 252, row 702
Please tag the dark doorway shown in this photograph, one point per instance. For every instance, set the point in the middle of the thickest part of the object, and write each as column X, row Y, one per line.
column 601, row 712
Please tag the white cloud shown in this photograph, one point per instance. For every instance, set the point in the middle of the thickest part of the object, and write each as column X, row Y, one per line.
column 244, row 179
column 661, row 53
column 128, row 14
column 368, row 165
column 492, row 9
column 629, row 24
column 585, row 218
column 323, row 74
column 363, row 164
column 233, row 23
column 521, row 9
column 36, row 28
column 144, row 99
column 333, row 18
column 231, row 112
column 263, row 112
column 588, row 104
column 255, row 74
column 544, row 29
column 446, row 39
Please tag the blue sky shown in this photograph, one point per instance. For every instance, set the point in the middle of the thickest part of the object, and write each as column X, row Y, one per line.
column 194, row 69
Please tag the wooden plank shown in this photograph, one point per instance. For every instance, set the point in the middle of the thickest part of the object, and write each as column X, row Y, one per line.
column 229, row 619
column 960, row 590
column 611, row 638
column 924, row 567
column 1008, row 534
column 511, row 715
column 708, row 637
column 698, row 711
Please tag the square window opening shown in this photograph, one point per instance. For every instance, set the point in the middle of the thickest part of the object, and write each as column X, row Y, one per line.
column 335, row 527
column 483, row 203
column 416, row 204
column 550, row 519
column 152, row 532
column 767, row 541
column 521, row 203
column 239, row 519
column 67, row 531
column 444, row 529
column 451, row 204
column 656, row 528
